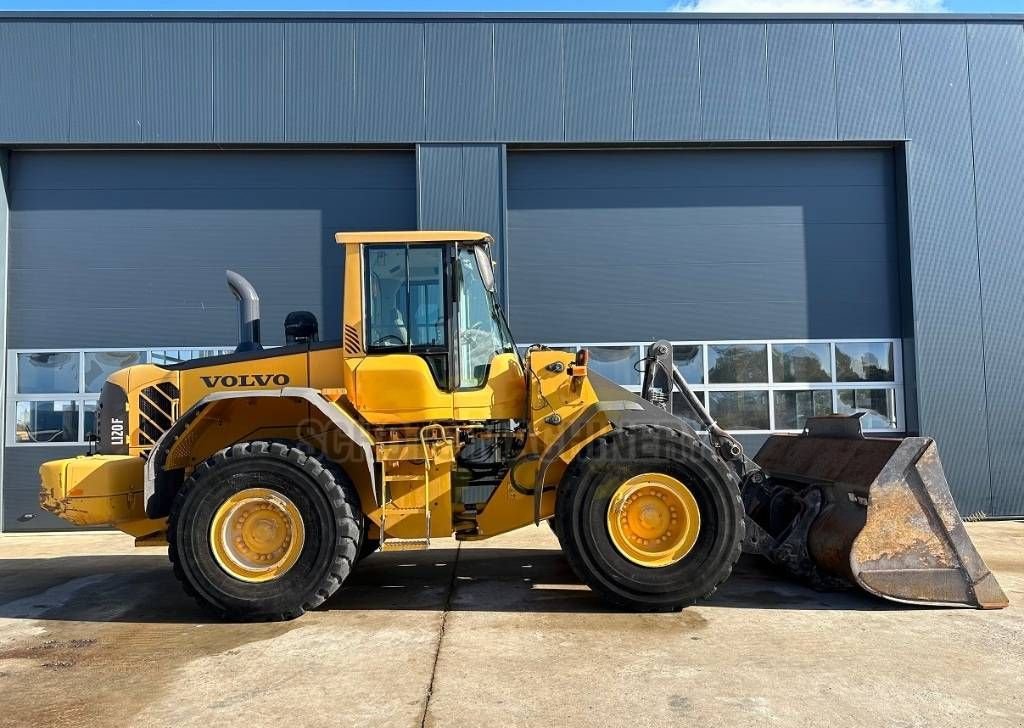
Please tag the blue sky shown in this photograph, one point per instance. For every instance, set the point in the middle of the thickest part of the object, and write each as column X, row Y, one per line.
column 960, row 6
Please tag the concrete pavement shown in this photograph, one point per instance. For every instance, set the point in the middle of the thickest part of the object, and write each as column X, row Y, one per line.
column 94, row 632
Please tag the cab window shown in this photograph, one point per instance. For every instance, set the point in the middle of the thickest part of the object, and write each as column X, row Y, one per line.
column 405, row 304
column 405, row 297
column 481, row 334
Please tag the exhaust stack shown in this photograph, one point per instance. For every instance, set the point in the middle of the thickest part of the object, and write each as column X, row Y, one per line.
column 248, row 312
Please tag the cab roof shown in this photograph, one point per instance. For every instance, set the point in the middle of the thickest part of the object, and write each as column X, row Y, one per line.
column 414, row 236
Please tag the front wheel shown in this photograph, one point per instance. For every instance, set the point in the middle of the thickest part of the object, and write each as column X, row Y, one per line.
column 650, row 518
column 263, row 531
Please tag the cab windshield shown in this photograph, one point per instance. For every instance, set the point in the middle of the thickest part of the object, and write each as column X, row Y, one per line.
column 483, row 332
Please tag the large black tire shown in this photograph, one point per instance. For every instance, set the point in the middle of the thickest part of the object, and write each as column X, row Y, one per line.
column 582, row 506
column 327, row 504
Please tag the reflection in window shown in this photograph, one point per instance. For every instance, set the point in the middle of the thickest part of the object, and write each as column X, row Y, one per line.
column 737, row 363
column 801, row 363
column 55, row 421
column 618, row 363
column 743, row 410
column 865, row 362
column 48, row 373
column 792, row 408
column 689, row 360
column 89, row 417
column 101, row 364
column 681, row 408
column 879, row 404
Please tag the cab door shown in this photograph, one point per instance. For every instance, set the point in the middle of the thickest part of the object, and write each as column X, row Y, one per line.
column 406, row 373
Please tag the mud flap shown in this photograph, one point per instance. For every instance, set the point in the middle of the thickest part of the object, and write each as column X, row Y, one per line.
column 885, row 522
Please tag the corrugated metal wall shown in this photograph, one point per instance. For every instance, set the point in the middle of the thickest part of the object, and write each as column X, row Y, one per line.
column 281, row 80
column 141, row 237
column 703, row 245
column 949, row 86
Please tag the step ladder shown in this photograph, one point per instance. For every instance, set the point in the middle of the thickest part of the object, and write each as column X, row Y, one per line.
column 428, row 434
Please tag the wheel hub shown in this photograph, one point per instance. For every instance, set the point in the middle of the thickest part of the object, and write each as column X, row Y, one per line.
column 653, row 520
column 257, row 535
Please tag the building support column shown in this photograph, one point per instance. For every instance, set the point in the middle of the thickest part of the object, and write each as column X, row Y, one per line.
column 462, row 187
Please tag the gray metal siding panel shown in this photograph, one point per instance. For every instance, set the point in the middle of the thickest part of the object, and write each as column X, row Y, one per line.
column 944, row 256
column 4, row 219
column 484, row 169
column 869, row 83
column 779, row 243
column 666, row 81
column 997, row 105
column 734, row 80
column 441, row 187
column 106, row 82
column 459, row 88
column 597, row 82
column 461, row 187
column 529, row 77
column 35, row 86
column 319, row 88
column 249, row 82
column 802, row 84
column 389, row 82
column 108, row 231
column 21, row 487
column 177, row 73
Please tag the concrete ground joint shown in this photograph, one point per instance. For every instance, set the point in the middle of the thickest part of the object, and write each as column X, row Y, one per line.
column 440, row 636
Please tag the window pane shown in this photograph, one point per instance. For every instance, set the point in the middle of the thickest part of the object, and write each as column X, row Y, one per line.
column 865, row 362
column 425, row 291
column 479, row 334
column 89, row 413
column 793, row 408
column 386, row 294
column 880, row 405
column 100, row 365
column 689, row 360
column 616, row 363
column 46, row 373
column 681, row 407
column 801, row 363
column 737, row 363
column 164, row 357
column 46, row 422
column 740, row 410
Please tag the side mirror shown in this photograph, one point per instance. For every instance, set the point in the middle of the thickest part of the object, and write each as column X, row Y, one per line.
column 300, row 327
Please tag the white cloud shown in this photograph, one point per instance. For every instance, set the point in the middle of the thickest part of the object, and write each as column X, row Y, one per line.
column 809, row 6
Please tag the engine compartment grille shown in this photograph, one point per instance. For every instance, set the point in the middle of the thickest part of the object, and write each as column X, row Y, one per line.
column 158, row 406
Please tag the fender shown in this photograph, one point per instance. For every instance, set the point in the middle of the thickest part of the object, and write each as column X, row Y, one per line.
column 158, row 492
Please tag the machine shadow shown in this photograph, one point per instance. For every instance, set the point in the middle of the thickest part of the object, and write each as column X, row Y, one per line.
column 142, row 588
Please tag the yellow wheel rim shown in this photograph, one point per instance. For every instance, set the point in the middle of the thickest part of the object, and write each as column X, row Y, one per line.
column 653, row 520
column 257, row 535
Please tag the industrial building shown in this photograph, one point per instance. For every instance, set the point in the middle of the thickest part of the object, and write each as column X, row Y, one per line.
column 824, row 214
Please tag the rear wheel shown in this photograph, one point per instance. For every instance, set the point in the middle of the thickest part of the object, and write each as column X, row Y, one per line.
column 263, row 531
column 650, row 518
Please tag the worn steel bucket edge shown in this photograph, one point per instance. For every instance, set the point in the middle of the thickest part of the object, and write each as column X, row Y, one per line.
column 914, row 547
column 887, row 522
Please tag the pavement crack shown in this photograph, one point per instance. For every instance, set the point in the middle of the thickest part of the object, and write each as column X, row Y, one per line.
column 446, row 610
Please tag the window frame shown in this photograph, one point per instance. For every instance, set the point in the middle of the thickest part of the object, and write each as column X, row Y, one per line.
column 81, row 397
column 771, row 386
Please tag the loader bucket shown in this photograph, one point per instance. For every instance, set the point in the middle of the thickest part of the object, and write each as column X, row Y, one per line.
column 887, row 521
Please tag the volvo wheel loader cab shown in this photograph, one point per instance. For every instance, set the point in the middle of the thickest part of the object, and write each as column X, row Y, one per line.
column 270, row 472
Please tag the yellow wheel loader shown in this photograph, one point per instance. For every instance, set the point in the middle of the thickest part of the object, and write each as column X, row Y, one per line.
column 270, row 472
